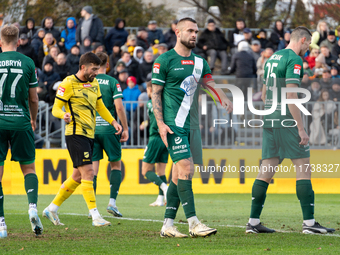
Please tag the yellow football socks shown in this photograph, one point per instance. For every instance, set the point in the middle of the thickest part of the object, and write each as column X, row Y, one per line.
column 65, row 192
column 88, row 194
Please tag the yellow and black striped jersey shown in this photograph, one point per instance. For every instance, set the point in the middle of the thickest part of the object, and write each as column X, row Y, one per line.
column 82, row 100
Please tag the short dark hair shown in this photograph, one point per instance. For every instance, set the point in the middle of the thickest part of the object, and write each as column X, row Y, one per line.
column 187, row 19
column 149, row 84
column 299, row 33
column 103, row 58
column 89, row 58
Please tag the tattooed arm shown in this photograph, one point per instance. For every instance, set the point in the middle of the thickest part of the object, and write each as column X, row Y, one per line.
column 158, row 112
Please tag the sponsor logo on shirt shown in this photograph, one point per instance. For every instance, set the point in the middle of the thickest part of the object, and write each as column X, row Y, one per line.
column 187, row 62
column 189, row 85
column 87, row 85
column 297, row 69
column 178, row 140
column 119, row 88
column 86, row 154
column 61, row 91
column 156, row 67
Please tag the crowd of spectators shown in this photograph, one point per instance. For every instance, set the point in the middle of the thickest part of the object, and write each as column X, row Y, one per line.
column 131, row 56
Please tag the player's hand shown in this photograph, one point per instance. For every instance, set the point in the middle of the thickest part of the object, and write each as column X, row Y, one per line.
column 33, row 124
column 304, row 137
column 228, row 105
column 125, row 136
column 163, row 131
column 117, row 127
column 67, row 117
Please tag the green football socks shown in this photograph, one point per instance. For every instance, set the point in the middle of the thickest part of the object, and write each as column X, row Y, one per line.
column 173, row 201
column 258, row 198
column 184, row 188
column 305, row 194
column 115, row 181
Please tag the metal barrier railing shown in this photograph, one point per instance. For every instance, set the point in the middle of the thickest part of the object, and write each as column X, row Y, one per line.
column 230, row 131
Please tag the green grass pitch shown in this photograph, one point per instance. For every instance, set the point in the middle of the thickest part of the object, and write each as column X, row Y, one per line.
column 138, row 231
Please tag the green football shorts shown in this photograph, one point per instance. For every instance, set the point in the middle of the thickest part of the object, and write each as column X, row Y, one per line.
column 185, row 143
column 155, row 151
column 283, row 143
column 22, row 145
column 110, row 143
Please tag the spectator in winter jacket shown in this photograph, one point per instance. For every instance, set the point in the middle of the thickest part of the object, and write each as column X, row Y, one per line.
column 48, row 24
column 330, row 42
column 262, row 38
column 73, row 59
column 115, row 55
column 37, row 40
column 285, row 41
column 145, row 68
column 138, row 54
column 130, row 45
column 256, row 49
column 330, row 59
column 311, row 57
column 26, row 49
column 114, row 72
column 47, row 78
column 60, row 66
column 131, row 64
column 86, row 46
column 277, row 35
column 48, row 42
column 29, row 29
column 214, row 45
column 170, row 37
column 131, row 93
column 319, row 35
column 52, row 55
column 334, row 92
column 336, row 49
column 244, row 66
column 236, row 35
column 89, row 25
column 142, row 38
column 116, row 35
column 68, row 35
column 154, row 33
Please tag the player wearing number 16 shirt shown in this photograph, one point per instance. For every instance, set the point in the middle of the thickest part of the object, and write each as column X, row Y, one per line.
column 18, row 113
column 285, row 69
column 176, row 78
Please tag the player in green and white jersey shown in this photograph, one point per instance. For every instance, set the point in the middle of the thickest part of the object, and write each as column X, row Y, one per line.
column 155, row 153
column 175, row 87
column 285, row 69
column 18, row 114
column 105, row 134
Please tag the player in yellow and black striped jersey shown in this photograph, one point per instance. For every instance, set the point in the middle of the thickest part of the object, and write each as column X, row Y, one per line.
column 81, row 97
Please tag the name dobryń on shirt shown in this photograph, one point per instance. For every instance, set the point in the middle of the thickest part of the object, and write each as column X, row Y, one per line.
column 10, row 63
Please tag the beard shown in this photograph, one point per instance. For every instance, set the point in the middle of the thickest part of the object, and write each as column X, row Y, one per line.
column 189, row 44
column 88, row 77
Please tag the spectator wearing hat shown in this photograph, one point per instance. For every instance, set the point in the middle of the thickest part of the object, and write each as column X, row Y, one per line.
column 68, row 35
column 334, row 92
column 214, row 45
column 131, row 93
column 37, row 40
column 116, row 35
column 154, row 33
column 122, row 78
column 98, row 47
column 73, row 59
column 142, row 38
column 236, row 35
column 145, row 68
column 335, row 72
column 162, row 48
column 89, row 25
column 256, row 49
column 277, row 35
column 248, row 35
column 115, row 55
column 131, row 64
column 170, row 37
column 262, row 38
column 330, row 41
column 48, row 25
column 130, row 45
column 29, row 29
column 86, row 46
column 114, row 72
column 26, row 49
column 46, row 78
column 285, row 41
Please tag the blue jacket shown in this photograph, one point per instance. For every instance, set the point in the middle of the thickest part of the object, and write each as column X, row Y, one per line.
column 131, row 95
column 155, row 34
column 69, row 34
column 115, row 35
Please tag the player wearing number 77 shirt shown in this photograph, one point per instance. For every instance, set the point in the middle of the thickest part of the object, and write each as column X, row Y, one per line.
column 18, row 114
column 285, row 69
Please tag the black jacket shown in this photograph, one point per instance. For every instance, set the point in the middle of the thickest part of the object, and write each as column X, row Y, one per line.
column 170, row 39
column 28, row 51
column 143, row 43
column 213, row 40
column 231, row 37
column 144, row 69
column 133, row 68
column 73, row 63
column 62, row 70
column 53, row 31
column 116, row 35
column 336, row 50
column 243, row 65
column 96, row 30
column 29, row 32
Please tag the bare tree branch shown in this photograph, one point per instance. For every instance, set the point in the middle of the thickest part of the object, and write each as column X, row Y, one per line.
column 198, row 5
column 288, row 12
